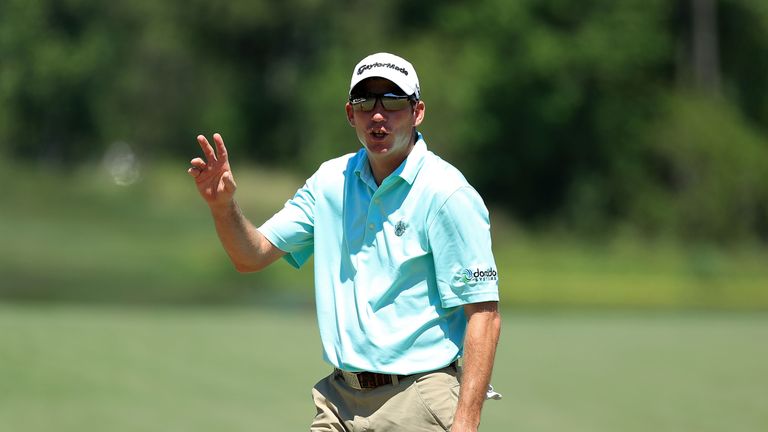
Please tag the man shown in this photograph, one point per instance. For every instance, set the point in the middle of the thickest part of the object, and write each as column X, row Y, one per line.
column 405, row 280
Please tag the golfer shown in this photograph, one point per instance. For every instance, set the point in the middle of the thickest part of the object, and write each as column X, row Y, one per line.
column 405, row 280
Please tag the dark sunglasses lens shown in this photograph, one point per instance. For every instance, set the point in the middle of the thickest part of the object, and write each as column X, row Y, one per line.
column 394, row 104
column 368, row 103
column 390, row 103
column 364, row 104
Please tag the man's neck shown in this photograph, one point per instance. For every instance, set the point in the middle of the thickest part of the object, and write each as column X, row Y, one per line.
column 383, row 167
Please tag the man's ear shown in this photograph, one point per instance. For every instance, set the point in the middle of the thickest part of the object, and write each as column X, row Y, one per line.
column 418, row 112
column 350, row 114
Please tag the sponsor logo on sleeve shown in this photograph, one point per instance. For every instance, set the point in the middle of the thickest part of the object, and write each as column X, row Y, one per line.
column 478, row 275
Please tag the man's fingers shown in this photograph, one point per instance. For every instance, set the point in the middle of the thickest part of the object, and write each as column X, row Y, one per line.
column 207, row 149
column 198, row 166
column 220, row 147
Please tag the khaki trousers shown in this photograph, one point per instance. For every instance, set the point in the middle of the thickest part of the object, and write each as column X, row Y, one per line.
column 419, row 403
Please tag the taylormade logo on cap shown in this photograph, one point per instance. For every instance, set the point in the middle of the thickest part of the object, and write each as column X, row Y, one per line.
column 390, row 67
column 364, row 68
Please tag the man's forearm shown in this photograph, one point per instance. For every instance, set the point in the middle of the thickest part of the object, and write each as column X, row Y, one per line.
column 248, row 249
column 482, row 336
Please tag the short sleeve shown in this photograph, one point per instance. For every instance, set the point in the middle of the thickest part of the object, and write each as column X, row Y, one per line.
column 460, row 241
column 292, row 228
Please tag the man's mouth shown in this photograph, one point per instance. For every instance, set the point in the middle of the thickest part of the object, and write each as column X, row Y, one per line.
column 379, row 133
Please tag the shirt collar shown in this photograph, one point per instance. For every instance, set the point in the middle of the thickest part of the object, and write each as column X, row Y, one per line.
column 363, row 169
column 406, row 171
column 412, row 164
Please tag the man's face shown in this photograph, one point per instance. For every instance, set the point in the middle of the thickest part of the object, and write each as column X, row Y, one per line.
column 386, row 135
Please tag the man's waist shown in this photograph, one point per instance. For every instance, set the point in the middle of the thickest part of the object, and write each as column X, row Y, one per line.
column 369, row 380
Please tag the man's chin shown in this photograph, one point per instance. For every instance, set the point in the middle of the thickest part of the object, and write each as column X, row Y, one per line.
column 377, row 147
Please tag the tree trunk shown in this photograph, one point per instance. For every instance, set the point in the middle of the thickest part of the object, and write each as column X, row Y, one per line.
column 705, row 47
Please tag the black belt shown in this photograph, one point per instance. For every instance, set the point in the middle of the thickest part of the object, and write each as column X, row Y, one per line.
column 372, row 380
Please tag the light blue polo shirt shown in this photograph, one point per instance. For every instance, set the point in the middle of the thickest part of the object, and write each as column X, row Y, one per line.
column 393, row 263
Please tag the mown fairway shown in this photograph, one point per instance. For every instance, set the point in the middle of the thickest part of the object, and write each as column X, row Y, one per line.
column 67, row 368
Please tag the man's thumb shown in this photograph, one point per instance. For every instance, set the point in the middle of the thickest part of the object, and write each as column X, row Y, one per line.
column 229, row 182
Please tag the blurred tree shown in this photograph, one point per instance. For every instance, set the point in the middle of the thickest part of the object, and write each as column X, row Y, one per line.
column 563, row 112
column 53, row 56
column 80, row 74
column 556, row 127
column 710, row 176
column 744, row 54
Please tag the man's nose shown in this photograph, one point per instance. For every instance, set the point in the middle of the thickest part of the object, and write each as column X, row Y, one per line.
column 377, row 114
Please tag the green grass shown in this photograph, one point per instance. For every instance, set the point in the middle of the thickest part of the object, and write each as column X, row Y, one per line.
column 75, row 368
column 628, row 271
column 77, row 236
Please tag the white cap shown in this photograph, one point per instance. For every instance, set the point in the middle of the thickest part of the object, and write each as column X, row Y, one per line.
column 387, row 66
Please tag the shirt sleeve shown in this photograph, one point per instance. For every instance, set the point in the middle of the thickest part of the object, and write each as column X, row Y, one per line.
column 292, row 229
column 460, row 240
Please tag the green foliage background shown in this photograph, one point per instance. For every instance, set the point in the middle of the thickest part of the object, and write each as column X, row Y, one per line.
column 561, row 112
column 621, row 171
column 585, row 125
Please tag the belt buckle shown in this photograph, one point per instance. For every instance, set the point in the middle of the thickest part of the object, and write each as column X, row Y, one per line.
column 372, row 381
column 351, row 379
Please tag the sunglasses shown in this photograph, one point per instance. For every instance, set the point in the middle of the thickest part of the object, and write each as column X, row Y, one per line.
column 390, row 101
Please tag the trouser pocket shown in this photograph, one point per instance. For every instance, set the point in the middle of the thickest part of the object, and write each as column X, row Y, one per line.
column 439, row 393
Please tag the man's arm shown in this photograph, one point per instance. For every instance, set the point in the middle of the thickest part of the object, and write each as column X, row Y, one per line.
column 248, row 249
column 483, row 329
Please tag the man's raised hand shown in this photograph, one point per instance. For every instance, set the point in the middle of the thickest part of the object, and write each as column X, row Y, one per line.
column 213, row 176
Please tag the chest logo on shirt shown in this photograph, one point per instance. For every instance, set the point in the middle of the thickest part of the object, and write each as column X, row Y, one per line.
column 400, row 228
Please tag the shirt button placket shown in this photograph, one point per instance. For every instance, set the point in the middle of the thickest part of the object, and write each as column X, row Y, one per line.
column 370, row 222
column 373, row 212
